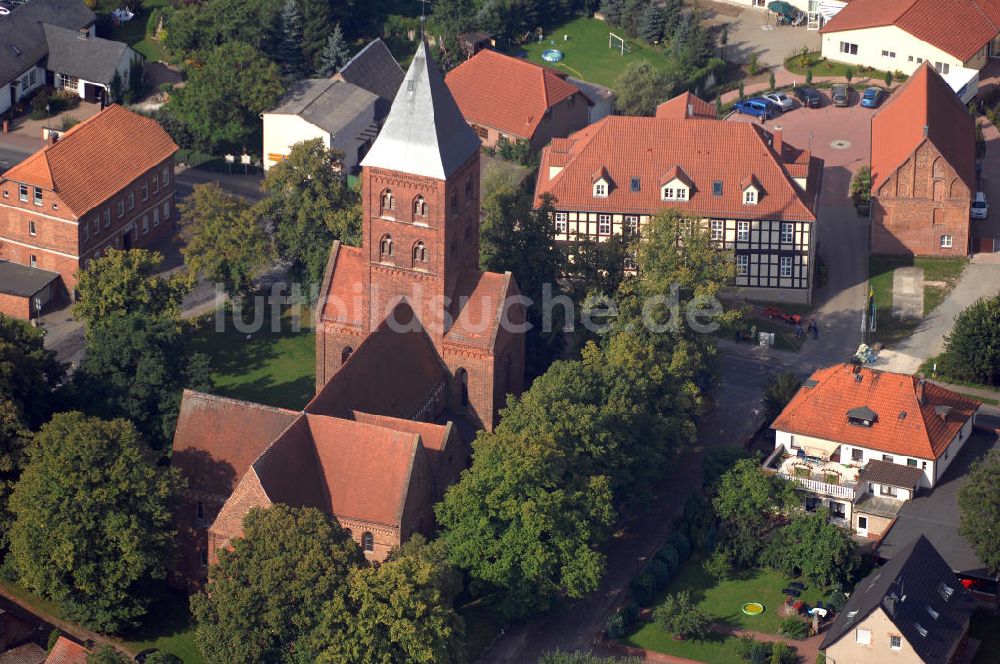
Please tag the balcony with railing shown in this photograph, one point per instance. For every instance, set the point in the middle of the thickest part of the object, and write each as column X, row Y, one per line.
column 817, row 476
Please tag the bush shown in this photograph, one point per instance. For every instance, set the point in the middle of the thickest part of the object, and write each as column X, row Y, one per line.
column 53, row 637
column 617, row 626
column 669, row 555
column 809, row 76
column 782, row 653
column 821, row 658
column 718, row 565
column 642, row 588
column 661, row 571
column 836, row 600
column 680, row 617
column 681, row 544
column 68, row 122
column 794, row 627
column 753, row 66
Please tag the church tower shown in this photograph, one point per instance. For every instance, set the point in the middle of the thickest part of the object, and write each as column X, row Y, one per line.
column 420, row 244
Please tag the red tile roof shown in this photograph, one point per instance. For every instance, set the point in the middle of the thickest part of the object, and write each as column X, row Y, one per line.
column 923, row 108
column 97, row 158
column 506, row 93
column 28, row 653
column 706, row 150
column 958, row 27
column 484, row 296
column 67, row 652
column 217, row 438
column 685, row 105
column 933, row 415
column 342, row 301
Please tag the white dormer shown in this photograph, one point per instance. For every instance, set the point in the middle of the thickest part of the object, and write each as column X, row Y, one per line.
column 752, row 191
column 675, row 185
column 601, row 183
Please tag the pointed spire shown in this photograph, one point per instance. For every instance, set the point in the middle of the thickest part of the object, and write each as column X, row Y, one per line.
column 424, row 133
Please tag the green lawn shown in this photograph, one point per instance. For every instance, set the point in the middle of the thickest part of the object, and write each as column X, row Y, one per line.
column 133, row 33
column 274, row 368
column 587, row 53
column 722, row 601
column 880, row 268
column 824, row 67
column 171, row 630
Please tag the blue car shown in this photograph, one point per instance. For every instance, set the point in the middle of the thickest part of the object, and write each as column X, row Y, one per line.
column 871, row 98
column 757, row 107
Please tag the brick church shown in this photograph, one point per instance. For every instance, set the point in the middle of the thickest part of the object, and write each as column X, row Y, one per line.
column 416, row 348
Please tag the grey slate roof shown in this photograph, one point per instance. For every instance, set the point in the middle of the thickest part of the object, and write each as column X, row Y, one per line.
column 905, row 587
column 425, row 133
column 327, row 103
column 935, row 515
column 22, row 40
column 23, row 281
column 894, row 474
column 374, row 69
column 93, row 58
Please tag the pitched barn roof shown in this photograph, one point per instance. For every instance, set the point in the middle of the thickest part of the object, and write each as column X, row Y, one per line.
column 374, row 69
column 329, row 104
column 908, row 588
column 424, row 133
column 90, row 58
column 923, row 108
column 506, row 93
column 67, row 652
column 485, row 296
column 906, row 421
column 97, row 158
column 708, row 151
column 685, row 105
column 958, row 27
column 22, row 38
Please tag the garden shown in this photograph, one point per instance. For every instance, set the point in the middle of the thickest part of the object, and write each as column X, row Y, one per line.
column 136, row 32
column 743, row 559
column 940, row 277
column 806, row 61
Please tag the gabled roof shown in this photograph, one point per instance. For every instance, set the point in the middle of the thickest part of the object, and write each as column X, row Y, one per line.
column 907, row 423
column 904, row 588
column 92, row 58
column 424, row 133
column 22, row 39
column 923, row 108
column 685, row 105
column 374, row 69
column 67, row 652
column 329, row 104
column 893, row 474
column 217, row 439
column 506, row 93
column 22, row 280
column 97, row 158
column 26, row 653
column 644, row 147
column 957, row 27
column 486, row 295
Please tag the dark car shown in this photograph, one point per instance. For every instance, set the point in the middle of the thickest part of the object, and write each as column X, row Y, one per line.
column 757, row 107
column 841, row 95
column 807, row 96
column 871, row 98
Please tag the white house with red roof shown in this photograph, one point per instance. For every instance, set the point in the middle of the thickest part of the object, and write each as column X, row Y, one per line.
column 757, row 194
column 956, row 37
column 860, row 442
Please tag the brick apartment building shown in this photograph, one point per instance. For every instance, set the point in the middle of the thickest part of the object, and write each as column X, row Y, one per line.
column 106, row 183
column 923, row 170
column 756, row 193
column 505, row 97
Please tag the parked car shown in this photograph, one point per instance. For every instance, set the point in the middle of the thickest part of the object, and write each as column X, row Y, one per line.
column 841, row 95
column 781, row 100
column 757, row 107
column 871, row 98
column 807, row 96
column 980, row 208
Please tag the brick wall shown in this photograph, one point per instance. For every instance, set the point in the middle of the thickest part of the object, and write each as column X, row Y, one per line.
column 569, row 115
column 15, row 307
column 923, row 200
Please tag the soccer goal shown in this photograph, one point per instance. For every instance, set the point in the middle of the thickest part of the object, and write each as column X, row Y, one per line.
column 618, row 43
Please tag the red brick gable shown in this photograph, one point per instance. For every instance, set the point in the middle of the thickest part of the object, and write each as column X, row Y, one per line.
column 506, row 93
column 708, row 151
column 685, row 105
column 97, row 158
column 923, row 108
column 820, row 410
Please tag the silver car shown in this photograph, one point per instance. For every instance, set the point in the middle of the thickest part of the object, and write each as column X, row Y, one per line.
column 980, row 208
column 781, row 100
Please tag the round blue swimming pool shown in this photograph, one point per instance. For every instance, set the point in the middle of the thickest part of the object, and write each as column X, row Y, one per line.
column 552, row 55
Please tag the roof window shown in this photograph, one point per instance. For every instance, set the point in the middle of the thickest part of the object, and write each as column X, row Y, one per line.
column 862, row 417
column 717, row 188
column 921, row 630
column 945, row 591
column 933, row 614
column 635, row 184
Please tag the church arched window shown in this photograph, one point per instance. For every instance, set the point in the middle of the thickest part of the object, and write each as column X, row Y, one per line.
column 419, row 252
column 419, row 207
column 385, row 246
column 388, row 201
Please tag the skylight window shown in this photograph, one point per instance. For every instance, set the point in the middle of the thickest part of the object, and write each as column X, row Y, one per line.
column 635, row 184
column 16, row 50
column 945, row 591
column 921, row 630
column 934, row 614
column 717, row 188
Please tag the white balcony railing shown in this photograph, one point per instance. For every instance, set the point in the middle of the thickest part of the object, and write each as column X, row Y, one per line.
column 821, row 488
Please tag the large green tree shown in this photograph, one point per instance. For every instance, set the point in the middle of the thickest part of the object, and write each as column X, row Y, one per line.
column 333, row 55
column 28, row 371
column 972, row 350
column 13, row 439
column 199, row 27
column 288, row 52
column 223, row 98
column 307, row 208
column 640, row 88
column 812, row 546
column 272, row 596
column 317, row 27
column 979, row 504
column 525, row 521
column 778, row 392
column 124, row 283
column 93, row 520
column 223, row 238
column 136, row 367
column 515, row 238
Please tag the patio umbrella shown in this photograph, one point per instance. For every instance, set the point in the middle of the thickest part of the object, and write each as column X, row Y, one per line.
column 780, row 7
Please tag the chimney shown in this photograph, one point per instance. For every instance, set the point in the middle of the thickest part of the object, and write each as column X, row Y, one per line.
column 920, row 391
column 83, row 33
column 777, row 142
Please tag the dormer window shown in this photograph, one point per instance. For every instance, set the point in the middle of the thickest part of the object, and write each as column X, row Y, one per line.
column 600, row 189
column 674, row 191
column 751, row 191
column 750, row 197
column 862, row 417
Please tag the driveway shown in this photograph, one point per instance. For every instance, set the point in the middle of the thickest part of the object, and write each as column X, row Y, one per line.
column 753, row 30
